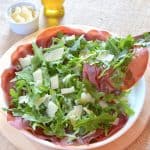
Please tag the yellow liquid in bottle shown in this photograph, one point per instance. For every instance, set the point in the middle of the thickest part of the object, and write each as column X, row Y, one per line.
column 53, row 8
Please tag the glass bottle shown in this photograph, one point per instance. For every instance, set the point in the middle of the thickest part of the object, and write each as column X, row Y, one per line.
column 53, row 10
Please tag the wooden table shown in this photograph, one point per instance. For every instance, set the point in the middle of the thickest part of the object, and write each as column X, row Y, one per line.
column 118, row 16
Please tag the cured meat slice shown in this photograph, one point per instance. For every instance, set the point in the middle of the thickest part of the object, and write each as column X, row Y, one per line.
column 136, row 67
column 6, row 77
column 92, row 73
column 135, row 71
column 99, row 135
column 21, row 52
column 97, row 35
column 44, row 39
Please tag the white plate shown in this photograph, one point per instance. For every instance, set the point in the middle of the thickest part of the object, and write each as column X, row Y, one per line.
column 136, row 100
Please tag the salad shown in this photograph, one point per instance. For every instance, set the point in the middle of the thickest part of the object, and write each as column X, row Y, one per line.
column 72, row 87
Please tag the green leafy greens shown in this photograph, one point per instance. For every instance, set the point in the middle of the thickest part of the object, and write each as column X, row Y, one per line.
column 53, row 96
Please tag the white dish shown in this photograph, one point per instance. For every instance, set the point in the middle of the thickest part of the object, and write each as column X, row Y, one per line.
column 136, row 100
column 27, row 27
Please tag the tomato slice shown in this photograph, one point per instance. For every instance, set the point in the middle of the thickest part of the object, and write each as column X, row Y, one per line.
column 44, row 38
column 21, row 52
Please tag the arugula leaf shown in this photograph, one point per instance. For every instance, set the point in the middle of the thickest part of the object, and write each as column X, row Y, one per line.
column 144, row 40
column 92, row 90
column 147, row 36
column 58, row 125
column 112, row 44
column 116, row 45
column 53, row 47
column 25, row 74
column 127, row 42
column 38, row 57
column 31, row 114
column 15, row 95
column 126, row 108
column 46, row 76
column 77, row 45
column 77, row 51
column 84, row 125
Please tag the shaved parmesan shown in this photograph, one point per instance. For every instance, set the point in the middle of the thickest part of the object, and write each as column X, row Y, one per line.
column 41, row 100
column 52, row 109
column 116, row 121
column 86, row 98
column 75, row 113
column 105, row 57
column 26, row 61
column 54, row 54
column 23, row 99
column 87, row 110
column 69, row 38
column 67, row 90
column 54, row 82
column 37, row 76
column 66, row 78
column 103, row 104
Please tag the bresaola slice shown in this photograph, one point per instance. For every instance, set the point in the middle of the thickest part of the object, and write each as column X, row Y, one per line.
column 136, row 67
column 114, row 128
column 21, row 51
column 92, row 73
column 6, row 77
column 97, row 35
column 9, row 74
column 44, row 39
column 17, row 122
column 21, row 124
column 135, row 71
column 38, row 132
column 99, row 135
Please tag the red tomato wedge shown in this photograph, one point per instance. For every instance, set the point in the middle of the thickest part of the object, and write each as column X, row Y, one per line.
column 21, row 52
column 44, row 39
